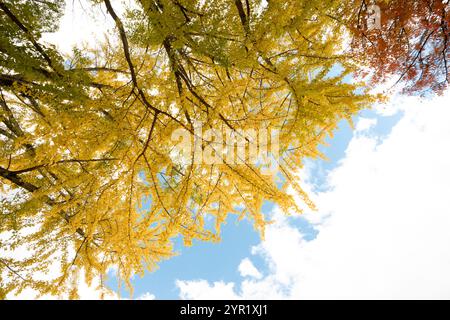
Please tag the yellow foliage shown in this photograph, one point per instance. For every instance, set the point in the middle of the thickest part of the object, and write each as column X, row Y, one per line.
column 84, row 145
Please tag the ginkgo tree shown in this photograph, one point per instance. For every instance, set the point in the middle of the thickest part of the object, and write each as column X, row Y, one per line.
column 87, row 139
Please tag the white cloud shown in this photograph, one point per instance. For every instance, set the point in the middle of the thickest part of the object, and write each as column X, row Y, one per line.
column 247, row 269
column 383, row 225
column 146, row 296
column 365, row 124
column 201, row 289
column 84, row 24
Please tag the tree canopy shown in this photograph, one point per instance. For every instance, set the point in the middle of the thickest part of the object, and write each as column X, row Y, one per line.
column 411, row 44
column 90, row 173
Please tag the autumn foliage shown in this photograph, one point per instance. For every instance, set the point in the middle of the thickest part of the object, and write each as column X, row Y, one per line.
column 411, row 45
column 89, row 171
